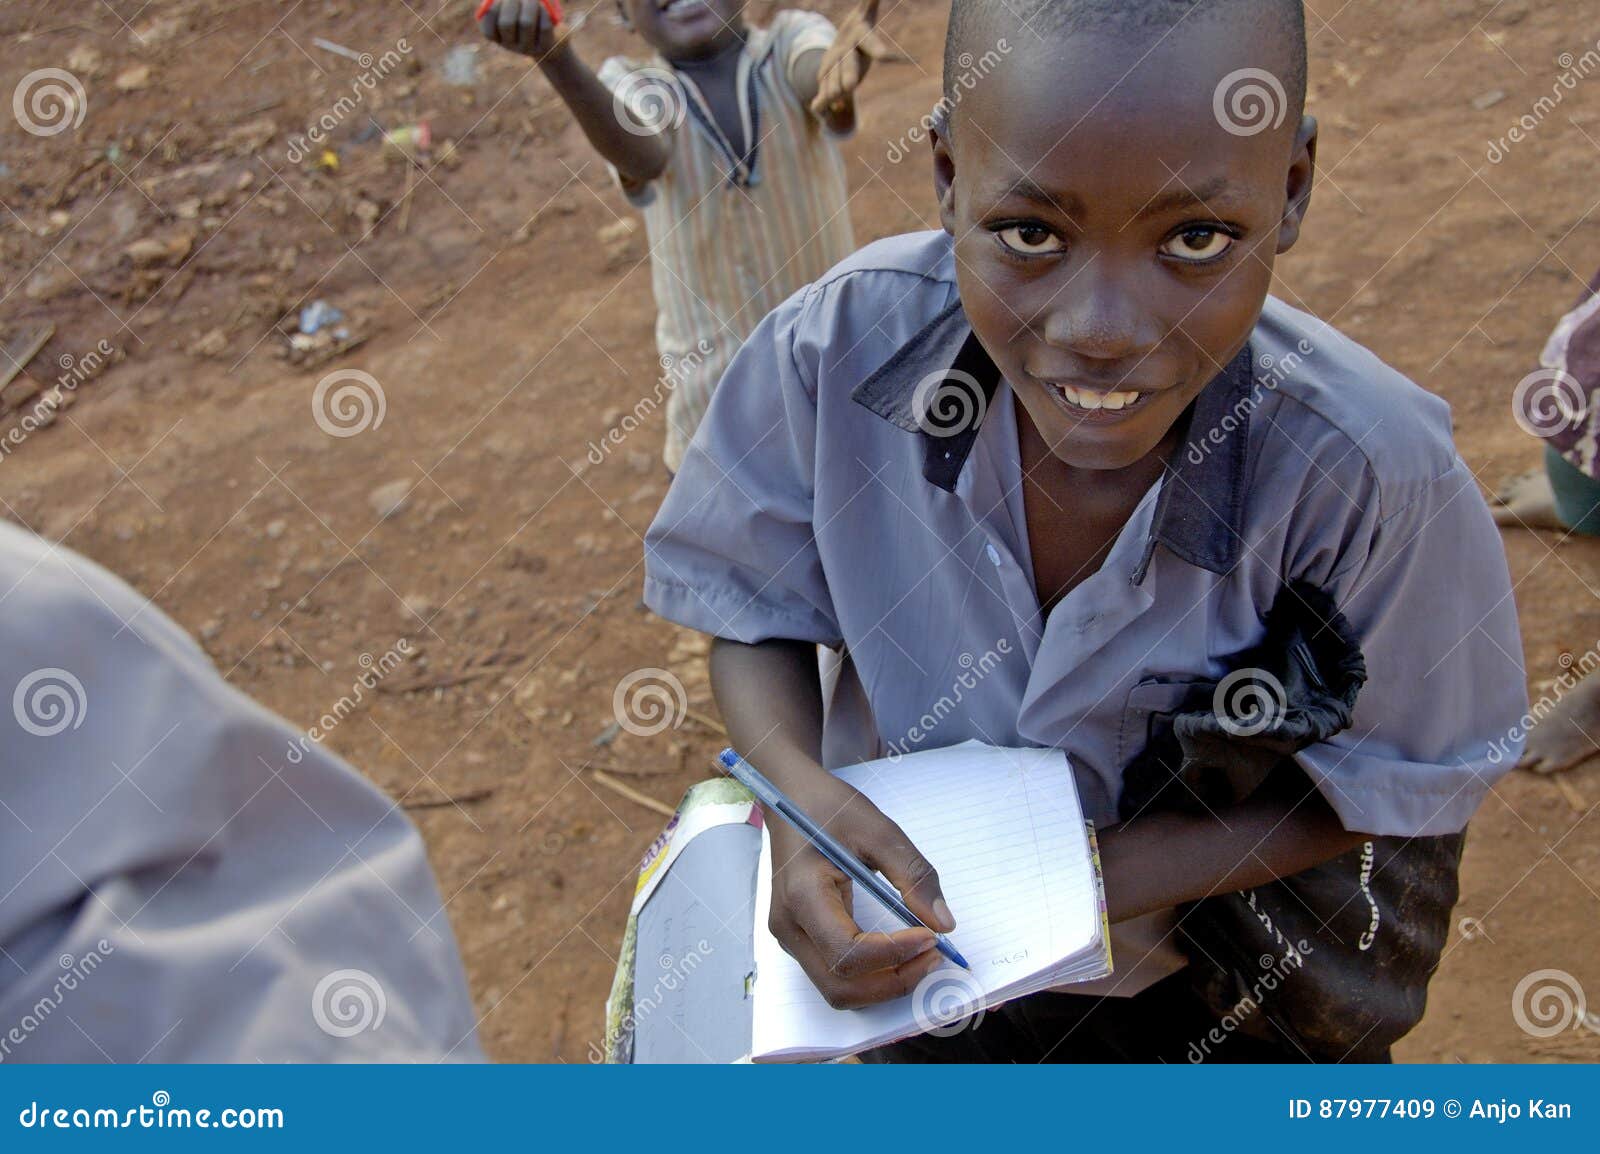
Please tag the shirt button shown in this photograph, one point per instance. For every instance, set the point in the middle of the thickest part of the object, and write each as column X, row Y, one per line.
column 994, row 555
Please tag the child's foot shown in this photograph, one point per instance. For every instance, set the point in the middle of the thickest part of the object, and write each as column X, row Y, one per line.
column 1526, row 501
column 1569, row 735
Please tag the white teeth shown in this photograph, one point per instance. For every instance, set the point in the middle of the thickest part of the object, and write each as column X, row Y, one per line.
column 1084, row 399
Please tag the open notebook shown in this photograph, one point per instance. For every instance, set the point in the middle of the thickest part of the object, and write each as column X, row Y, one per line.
column 1018, row 867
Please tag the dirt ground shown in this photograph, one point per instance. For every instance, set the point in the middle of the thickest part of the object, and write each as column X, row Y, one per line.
column 496, row 293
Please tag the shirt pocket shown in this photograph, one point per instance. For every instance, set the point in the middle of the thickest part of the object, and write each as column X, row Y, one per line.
column 1150, row 700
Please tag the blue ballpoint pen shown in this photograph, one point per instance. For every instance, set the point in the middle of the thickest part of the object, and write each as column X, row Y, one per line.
column 776, row 800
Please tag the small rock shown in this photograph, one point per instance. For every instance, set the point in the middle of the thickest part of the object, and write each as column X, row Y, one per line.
column 84, row 61
column 212, row 344
column 276, row 529
column 49, row 283
column 133, row 79
column 1488, row 99
column 159, row 250
column 388, row 499
column 211, row 629
column 157, row 31
column 419, row 605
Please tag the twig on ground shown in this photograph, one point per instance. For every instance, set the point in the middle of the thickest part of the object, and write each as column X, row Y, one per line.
column 633, row 795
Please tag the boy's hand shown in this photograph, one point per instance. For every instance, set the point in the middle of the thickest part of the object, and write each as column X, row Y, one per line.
column 811, row 902
column 523, row 26
column 847, row 59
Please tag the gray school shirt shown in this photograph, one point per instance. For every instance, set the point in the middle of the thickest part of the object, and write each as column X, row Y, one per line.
column 835, row 494
column 183, row 875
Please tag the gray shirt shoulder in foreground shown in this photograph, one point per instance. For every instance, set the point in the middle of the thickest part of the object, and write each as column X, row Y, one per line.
column 183, row 876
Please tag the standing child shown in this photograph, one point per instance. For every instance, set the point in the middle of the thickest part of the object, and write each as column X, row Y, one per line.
column 1072, row 427
column 725, row 138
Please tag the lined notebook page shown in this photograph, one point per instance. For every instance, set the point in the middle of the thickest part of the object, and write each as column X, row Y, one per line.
column 1005, row 831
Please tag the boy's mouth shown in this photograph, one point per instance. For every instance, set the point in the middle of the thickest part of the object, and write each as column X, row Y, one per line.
column 1103, row 403
column 679, row 9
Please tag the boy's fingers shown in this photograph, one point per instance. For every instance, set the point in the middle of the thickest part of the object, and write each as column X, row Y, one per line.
column 528, row 25
column 842, row 949
column 914, row 876
column 509, row 30
column 507, row 13
column 849, row 76
column 849, row 993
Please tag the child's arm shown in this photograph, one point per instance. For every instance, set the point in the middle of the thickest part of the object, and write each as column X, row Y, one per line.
column 523, row 26
column 771, row 698
column 826, row 80
column 1159, row 860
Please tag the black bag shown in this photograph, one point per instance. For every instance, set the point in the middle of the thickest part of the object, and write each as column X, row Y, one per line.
column 1333, row 963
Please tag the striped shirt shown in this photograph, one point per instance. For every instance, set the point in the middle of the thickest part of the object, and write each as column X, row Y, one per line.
column 732, row 237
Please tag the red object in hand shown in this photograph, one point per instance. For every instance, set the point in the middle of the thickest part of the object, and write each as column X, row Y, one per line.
column 551, row 6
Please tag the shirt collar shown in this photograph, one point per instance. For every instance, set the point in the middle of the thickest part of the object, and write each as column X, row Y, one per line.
column 939, row 384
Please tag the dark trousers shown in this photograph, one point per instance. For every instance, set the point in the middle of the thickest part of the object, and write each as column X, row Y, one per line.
column 1167, row 1022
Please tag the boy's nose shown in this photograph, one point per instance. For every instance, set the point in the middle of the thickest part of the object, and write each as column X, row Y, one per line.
column 1099, row 318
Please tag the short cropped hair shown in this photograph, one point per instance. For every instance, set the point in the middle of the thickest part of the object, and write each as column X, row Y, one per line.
column 970, row 18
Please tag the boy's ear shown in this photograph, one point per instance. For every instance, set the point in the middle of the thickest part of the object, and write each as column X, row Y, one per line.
column 944, row 174
column 1302, row 171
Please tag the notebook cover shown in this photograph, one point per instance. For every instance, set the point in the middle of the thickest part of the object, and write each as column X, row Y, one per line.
column 683, row 984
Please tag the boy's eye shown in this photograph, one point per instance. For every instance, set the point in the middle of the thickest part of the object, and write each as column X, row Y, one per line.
column 1030, row 239
column 1198, row 244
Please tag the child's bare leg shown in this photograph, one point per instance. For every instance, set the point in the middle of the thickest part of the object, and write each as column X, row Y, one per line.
column 1527, row 501
column 1570, row 734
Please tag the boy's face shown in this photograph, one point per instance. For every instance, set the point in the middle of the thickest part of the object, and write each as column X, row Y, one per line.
column 687, row 29
column 1114, row 243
